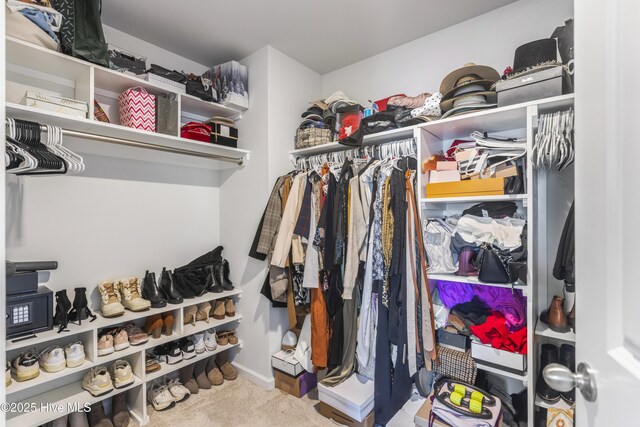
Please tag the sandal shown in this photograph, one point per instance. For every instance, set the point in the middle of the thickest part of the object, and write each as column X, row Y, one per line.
column 222, row 338
column 232, row 338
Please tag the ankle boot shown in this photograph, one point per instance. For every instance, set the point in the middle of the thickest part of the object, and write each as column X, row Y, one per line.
column 168, row 287
column 568, row 359
column 555, row 316
column 151, row 292
column 213, row 372
column 97, row 417
column 200, row 375
column 218, row 310
column 187, row 380
column 548, row 355
column 119, row 410
column 80, row 310
column 465, row 263
column 63, row 305
column 213, row 283
column 229, row 307
column 78, row 419
column 226, row 270
column 167, row 323
column 153, row 325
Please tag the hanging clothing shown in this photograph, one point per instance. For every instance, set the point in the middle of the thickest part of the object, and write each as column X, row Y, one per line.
column 288, row 222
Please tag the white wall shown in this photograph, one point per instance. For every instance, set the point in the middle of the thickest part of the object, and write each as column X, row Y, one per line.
column 419, row 66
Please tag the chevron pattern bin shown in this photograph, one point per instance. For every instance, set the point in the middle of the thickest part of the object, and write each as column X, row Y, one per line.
column 138, row 109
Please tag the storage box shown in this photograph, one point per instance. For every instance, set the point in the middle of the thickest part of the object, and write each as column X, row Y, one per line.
column 500, row 359
column 447, row 166
column 343, row 419
column 452, row 340
column 123, row 61
column 286, row 363
column 56, row 104
column 196, row 131
column 137, row 109
column 538, row 85
column 295, row 386
column 166, row 84
column 353, row 397
column 467, row 188
column 444, row 176
column 224, row 135
column 231, row 84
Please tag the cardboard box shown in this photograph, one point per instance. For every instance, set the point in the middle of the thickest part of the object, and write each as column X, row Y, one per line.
column 295, row 386
column 500, row 359
column 286, row 363
column 444, row 176
column 56, row 104
column 353, row 397
column 468, row 188
column 538, row 85
column 447, row 166
column 343, row 419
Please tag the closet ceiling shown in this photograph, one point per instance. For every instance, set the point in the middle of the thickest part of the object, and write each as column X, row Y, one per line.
column 324, row 35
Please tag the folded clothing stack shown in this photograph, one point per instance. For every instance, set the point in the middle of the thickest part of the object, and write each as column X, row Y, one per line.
column 34, row 23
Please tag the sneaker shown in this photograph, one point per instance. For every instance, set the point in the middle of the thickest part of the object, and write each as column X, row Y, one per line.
column 121, row 373
column 110, row 299
column 105, row 344
column 131, row 297
column 199, row 343
column 120, row 338
column 135, row 334
column 25, row 366
column 174, row 353
column 52, row 359
column 161, row 352
column 187, row 347
column 160, row 397
column 152, row 364
column 177, row 390
column 210, row 339
column 74, row 353
column 7, row 375
column 97, row 381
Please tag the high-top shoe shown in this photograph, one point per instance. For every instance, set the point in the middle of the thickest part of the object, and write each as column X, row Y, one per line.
column 131, row 298
column 226, row 270
column 151, row 292
column 568, row 359
column 80, row 310
column 63, row 305
column 548, row 355
column 110, row 299
column 168, row 287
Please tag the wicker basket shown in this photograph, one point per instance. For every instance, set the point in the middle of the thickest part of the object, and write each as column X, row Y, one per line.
column 311, row 137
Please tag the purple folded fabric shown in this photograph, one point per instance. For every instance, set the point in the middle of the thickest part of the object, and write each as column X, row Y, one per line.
column 454, row 293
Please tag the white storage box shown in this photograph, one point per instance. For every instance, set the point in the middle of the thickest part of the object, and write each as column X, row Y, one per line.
column 163, row 83
column 500, row 359
column 286, row 363
column 56, row 104
column 354, row 397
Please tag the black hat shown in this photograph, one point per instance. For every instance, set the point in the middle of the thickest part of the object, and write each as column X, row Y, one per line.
column 535, row 53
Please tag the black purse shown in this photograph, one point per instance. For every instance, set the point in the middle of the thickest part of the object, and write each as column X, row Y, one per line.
column 174, row 75
column 493, row 265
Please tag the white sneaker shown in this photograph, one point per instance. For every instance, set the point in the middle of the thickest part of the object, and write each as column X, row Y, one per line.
column 199, row 342
column 177, row 390
column 25, row 366
column 121, row 373
column 52, row 359
column 74, row 354
column 131, row 297
column 110, row 299
column 210, row 341
column 160, row 397
column 97, row 381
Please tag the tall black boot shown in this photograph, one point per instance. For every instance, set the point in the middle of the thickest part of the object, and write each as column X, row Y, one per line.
column 226, row 270
column 80, row 310
column 151, row 292
column 568, row 359
column 214, row 282
column 168, row 287
column 63, row 305
column 548, row 355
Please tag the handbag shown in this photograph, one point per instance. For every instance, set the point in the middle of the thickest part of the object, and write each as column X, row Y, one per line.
column 167, row 114
column 88, row 40
column 493, row 265
column 199, row 87
column 174, row 75
column 196, row 131
column 464, row 405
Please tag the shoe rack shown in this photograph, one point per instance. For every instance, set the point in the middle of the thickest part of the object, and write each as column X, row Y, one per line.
column 51, row 395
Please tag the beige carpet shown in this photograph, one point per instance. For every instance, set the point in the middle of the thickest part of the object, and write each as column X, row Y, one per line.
column 240, row 403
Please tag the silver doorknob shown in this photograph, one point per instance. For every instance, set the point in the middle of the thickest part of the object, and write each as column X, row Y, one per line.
column 560, row 378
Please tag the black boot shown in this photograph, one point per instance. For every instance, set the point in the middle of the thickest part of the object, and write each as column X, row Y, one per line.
column 548, row 355
column 168, row 288
column 226, row 284
column 151, row 292
column 214, row 282
column 63, row 305
column 568, row 359
column 80, row 310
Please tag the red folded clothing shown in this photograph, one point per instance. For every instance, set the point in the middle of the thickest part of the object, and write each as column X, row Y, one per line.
column 494, row 331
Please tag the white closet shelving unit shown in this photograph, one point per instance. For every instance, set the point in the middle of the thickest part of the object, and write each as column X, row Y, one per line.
column 518, row 121
column 32, row 67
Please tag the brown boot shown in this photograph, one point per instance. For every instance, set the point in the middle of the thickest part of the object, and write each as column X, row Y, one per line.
column 555, row 316
column 153, row 325
column 167, row 323
column 213, row 373
column 190, row 315
column 78, row 419
column 187, row 380
column 229, row 373
column 218, row 310
column 97, row 417
column 119, row 410
column 229, row 307
column 200, row 376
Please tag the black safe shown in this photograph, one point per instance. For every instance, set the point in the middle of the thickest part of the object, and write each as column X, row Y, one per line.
column 29, row 313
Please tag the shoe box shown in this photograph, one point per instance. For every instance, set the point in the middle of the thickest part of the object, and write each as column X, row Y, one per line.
column 286, row 363
column 452, row 340
column 501, row 359
column 351, row 399
column 296, row 386
column 343, row 419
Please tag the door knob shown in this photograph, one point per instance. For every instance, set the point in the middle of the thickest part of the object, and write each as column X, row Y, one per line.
column 561, row 379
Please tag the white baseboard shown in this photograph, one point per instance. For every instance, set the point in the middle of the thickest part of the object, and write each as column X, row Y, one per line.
column 267, row 383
